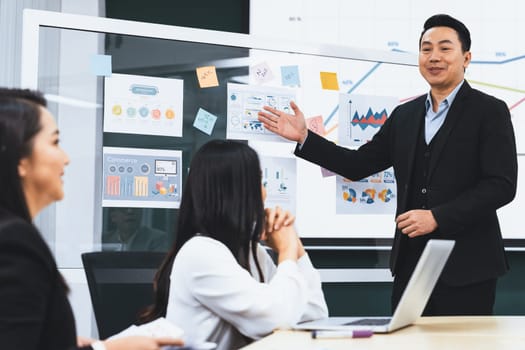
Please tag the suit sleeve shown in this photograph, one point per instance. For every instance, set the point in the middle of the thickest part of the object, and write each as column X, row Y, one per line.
column 369, row 159
column 25, row 286
column 498, row 169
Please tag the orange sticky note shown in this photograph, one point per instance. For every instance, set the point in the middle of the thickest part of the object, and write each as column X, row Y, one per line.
column 207, row 76
column 329, row 81
column 316, row 125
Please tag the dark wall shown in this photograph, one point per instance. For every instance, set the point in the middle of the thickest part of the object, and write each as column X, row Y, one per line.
column 373, row 298
column 224, row 15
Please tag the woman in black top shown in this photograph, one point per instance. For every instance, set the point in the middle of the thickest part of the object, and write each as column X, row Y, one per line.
column 34, row 309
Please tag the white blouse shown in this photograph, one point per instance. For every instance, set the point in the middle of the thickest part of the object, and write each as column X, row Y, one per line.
column 212, row 298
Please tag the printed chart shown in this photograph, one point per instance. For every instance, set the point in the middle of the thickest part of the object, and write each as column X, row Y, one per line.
column 375, row 194
column 245, row 101
column 143, row 105
column 361, row 116
column 134, row 177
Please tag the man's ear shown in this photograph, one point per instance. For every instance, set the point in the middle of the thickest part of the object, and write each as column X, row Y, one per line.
column 468, row 58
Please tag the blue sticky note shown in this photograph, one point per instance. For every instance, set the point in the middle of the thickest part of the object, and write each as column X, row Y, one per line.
column 101, row 65
column 204, row 121
column 290, row 75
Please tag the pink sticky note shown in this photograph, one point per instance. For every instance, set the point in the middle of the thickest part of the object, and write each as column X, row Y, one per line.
column 326, row 172
column 316, row 125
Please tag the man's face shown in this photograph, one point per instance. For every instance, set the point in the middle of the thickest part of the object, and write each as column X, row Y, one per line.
column 126, row 219
column 441, row 60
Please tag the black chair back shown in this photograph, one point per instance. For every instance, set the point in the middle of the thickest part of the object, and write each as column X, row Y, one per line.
column 120, row 285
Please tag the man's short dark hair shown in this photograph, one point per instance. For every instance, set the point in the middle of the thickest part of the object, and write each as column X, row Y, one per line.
column 442, row 20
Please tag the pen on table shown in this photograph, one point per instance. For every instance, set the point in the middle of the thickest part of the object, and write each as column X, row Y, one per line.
column 356, row 333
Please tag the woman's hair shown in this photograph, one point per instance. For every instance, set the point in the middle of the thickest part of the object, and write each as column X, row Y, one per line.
column 222, row 200
column 19, row 123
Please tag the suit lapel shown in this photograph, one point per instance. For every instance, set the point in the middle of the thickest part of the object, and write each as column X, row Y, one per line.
column 453, row 115
column 412, row 130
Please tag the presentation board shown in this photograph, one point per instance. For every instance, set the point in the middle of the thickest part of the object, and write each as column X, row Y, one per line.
column 178, row 88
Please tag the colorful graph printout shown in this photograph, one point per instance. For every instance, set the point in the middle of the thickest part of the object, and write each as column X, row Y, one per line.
column 361, row 116
column 278, row 177
column 376, row 194
column 245, row 101
column 145, row 178
column 279, row 173
column 136, row 104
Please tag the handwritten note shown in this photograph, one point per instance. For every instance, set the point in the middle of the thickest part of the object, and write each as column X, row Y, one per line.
column 329, row 81
column 204, row 121
column 207, row 76
column 316, row 125
column 290, row 76
column 261, row 72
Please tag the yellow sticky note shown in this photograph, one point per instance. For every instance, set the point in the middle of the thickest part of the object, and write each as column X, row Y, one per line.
column 207, row 76
column 329, row 81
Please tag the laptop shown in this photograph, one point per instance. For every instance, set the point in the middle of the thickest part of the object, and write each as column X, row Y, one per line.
column 413, row 300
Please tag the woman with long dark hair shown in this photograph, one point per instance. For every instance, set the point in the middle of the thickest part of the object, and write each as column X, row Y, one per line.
column 34, row 310
column 217, row 282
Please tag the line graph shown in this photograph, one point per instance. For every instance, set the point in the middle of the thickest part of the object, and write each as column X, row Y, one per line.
column 474, row 82
column 355, row 86
column 371, row 119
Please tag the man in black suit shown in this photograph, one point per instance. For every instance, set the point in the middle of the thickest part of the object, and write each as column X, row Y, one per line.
column 454, row 157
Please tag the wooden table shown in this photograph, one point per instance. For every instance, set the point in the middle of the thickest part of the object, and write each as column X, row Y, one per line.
column 443, row 333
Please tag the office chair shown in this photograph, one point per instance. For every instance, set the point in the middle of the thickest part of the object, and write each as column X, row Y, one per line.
column 120, row 285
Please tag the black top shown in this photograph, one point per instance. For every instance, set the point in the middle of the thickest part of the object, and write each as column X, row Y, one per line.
column 34, row 310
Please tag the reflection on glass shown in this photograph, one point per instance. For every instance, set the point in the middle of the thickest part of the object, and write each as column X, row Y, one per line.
column 126, row 230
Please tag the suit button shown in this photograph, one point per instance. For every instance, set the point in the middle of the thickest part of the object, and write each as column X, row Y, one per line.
column 427, row 154
column 424, row 190
column 423, row 207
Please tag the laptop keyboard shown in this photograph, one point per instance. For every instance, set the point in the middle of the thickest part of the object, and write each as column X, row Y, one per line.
column 369, row 322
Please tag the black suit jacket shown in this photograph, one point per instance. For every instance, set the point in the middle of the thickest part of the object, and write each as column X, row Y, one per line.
column 34, row 311
column 473, row 172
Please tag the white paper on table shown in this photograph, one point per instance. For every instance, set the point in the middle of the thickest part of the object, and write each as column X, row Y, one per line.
column 157, row 328
column 163, row 328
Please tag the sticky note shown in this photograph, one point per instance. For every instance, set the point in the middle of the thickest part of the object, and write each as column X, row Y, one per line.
column 261, row 72
column 100, row 65
column 329, row 81
column 290, row 76
column 207, row 76
column 316, row 125
column 326, row 172
column 204, row 121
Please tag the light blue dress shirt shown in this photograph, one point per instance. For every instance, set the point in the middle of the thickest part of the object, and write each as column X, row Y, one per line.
column 434, row 120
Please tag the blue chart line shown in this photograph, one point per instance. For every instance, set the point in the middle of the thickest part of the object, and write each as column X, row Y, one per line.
column 512, row 59
column 352, row 89
column 508, row 60
column 517, row 58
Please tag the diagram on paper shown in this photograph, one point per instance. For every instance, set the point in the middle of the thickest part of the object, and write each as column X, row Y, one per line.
column 143, row 105
column 245, row 101
column 136, row 177
column 361, row 116
column 375, row 194
column 278, row 178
